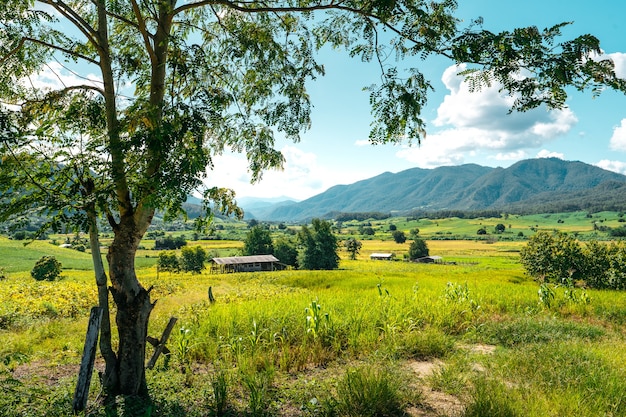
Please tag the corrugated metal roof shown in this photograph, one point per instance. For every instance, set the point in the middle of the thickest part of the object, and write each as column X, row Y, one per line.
column 381, row 255
column 235, row 260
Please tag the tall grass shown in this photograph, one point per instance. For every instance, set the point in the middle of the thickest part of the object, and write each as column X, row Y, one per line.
column 330, row 342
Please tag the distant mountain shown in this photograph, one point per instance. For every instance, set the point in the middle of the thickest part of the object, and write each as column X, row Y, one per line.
column 260, row 208
column 529, row 185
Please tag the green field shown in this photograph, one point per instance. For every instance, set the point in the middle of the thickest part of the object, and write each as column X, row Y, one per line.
column 466, row 338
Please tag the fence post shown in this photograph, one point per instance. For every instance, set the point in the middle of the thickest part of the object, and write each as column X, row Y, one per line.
column 87, row 361
column 160, row 344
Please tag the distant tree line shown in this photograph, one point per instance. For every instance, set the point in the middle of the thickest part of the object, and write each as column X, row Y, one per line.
column 358, row 216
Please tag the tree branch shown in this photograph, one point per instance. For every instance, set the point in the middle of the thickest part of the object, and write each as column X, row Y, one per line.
column 58, row 48
column 143, row 30
column 69, row 13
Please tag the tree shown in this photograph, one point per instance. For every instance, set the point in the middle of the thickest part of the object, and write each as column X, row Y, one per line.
column 286, row 251
column 418, row 249
column 319, row 246
column 208, row 77
column 168, row 261
column 192, row 259
column 353, row 247
column 258, row 242
column 47, row 268
column 398, row 236
column 500, row 228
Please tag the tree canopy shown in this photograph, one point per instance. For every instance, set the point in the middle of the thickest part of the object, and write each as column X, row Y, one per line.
column 158, row 88
column 258, row 242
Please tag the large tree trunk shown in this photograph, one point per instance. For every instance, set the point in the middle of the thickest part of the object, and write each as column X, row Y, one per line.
column 133, row 309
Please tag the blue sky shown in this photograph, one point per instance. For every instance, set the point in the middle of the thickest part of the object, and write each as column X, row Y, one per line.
column 462, row 127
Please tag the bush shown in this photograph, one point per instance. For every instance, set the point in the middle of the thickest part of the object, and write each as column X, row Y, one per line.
column 556, row 258
column 47, row 268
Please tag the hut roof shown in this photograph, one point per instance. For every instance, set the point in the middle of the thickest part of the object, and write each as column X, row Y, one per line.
column 234, row 260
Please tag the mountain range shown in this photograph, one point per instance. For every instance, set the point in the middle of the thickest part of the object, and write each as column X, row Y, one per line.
column 533, row 185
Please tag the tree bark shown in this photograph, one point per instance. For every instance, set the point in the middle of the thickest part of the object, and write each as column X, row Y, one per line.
column 133, row 309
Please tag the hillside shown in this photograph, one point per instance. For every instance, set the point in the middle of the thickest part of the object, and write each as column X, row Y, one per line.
column 546, row 184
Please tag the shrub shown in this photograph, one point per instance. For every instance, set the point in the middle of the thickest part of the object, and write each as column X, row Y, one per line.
column 555, row 257
column 47, row 268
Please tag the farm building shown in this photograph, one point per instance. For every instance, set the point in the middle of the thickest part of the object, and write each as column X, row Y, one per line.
column 245, row 264
column 430, row 260
column 381, row 256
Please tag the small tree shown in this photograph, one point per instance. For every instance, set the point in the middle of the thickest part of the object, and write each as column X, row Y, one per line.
column 399, row 236
column 481, row 231
column 258, row 242
column 192, row 259
column 392, row 227
column 319, row 246
column 418, row 249
column 353, row 247
column 168, row 261
column 367, row 231
column 47, row 268
column 555, row 257
column 500, row 228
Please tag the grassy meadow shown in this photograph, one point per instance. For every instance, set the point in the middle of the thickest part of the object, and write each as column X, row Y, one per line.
column 470, row 337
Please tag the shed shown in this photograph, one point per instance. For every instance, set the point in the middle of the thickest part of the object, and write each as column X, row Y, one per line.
column 245, row 263
column 430, row 259
column 381, row 256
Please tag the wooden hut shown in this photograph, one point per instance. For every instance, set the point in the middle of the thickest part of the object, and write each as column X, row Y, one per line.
column 245, row 264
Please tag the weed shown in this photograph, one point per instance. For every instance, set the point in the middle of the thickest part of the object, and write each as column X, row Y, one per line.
column 258, row 385
column 546, row 295
column 489, row 399
column 370, row 392
column 219, row 384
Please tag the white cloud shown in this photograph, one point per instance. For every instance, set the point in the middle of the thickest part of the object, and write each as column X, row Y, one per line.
column 479, row 122
column 618, row 140
column 511, row 156
column 54, row 76
column 615, row 166
column 619, row 60
column 544, row 153
column 301, row 178
column 363, row 142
